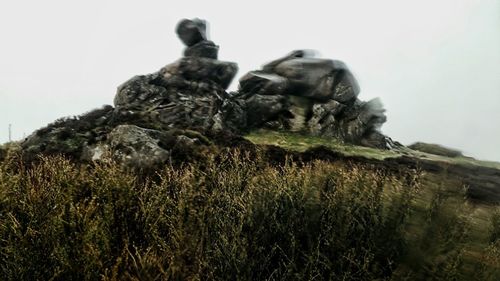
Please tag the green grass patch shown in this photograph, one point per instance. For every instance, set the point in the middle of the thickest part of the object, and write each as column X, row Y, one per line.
column 300, row 142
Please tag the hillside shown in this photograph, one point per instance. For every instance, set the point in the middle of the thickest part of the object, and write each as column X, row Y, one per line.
column 250, row 212
column 288, row 178
column 482, row 178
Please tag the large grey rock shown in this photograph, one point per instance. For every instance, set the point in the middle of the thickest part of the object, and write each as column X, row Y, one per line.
column 142, row 148
column 319, row 79
column 270, row 66
column 136, row 147
column 202, row 69
column 346, row 87
column 323, row 117
column 261, row 83
column 192, row 31
column 140, row 89
column 263, row 108
column 360, row 120
column 317, row 96
column 154, row 101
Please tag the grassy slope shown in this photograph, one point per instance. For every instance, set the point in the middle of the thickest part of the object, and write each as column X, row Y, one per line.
column 450, row 189
column 298, row 142
column 106, row 210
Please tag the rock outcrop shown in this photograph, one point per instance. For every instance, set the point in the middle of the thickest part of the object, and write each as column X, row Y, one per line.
column 182, row 101
column 317, row 96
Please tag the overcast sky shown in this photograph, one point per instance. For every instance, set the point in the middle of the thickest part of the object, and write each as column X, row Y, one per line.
column 434, row 63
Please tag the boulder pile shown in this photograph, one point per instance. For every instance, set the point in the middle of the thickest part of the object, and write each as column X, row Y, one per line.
column 316, row 96
column 184, row 100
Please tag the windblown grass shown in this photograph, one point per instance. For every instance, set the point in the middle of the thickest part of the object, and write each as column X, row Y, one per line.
column 230, row 218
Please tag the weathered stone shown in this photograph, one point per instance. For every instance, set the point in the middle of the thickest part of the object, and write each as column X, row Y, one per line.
column 203, row 49
column 319, row 79
column 361, row 119
column 202, row 69
column 154, row 101
column 258, row 82
column 346, row 87
column 269, row 67
column 234, row 115
column 192, row 31
column 305, row 71
column 139, row 89
column 300, row 109
column 136, row 147
column 262, row 108
column 323, row 116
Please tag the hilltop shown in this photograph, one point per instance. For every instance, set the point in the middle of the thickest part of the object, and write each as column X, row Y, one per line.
column 290, row 177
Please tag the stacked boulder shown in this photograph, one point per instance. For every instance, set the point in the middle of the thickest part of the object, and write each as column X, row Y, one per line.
column 193, row 33
column 316, row 96
column 185, row 94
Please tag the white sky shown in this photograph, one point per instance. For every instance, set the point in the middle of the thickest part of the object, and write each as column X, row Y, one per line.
column 434, row 63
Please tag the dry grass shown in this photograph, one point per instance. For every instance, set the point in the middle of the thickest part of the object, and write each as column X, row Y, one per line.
column 229, row 218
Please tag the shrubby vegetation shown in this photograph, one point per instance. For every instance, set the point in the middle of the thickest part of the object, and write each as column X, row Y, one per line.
column 234, row 217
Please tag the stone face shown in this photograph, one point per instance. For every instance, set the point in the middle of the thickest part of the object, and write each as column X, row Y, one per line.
column 192, row 31
column 203, row 49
